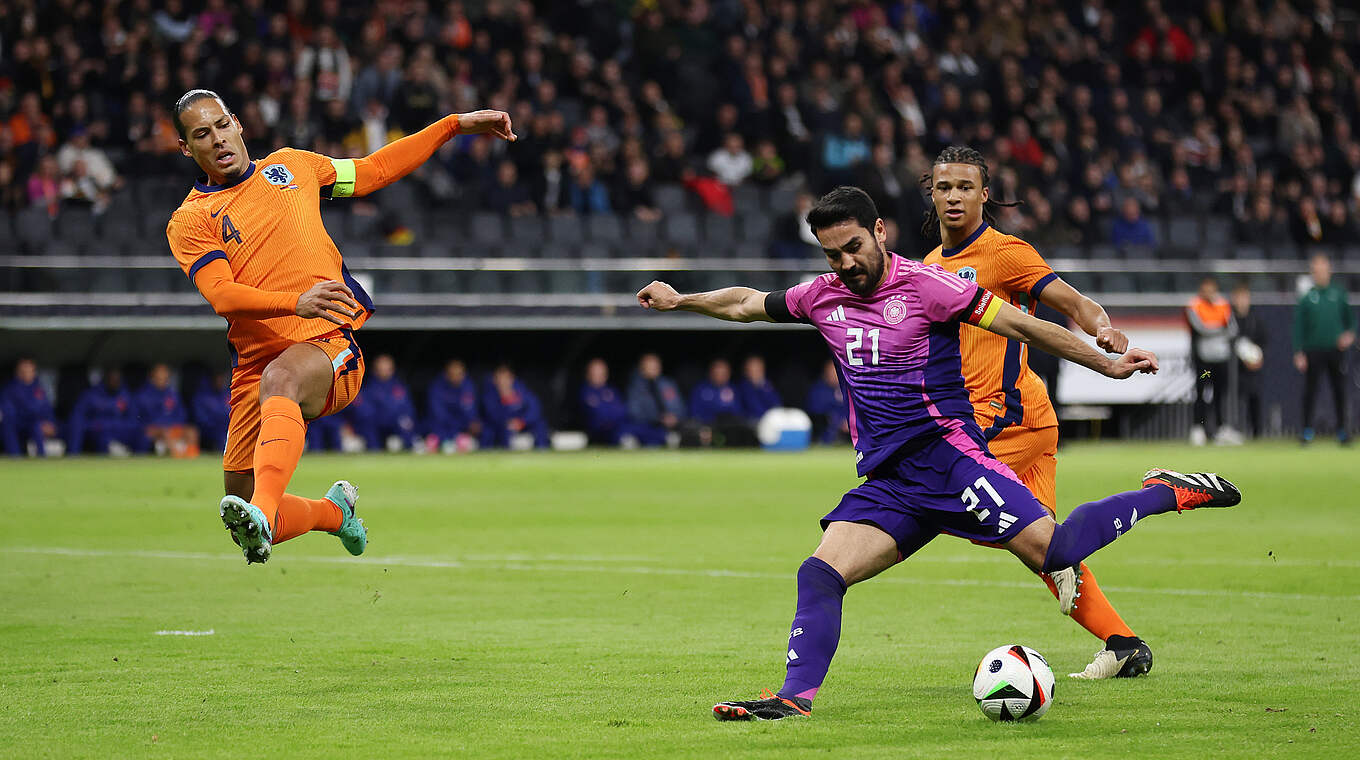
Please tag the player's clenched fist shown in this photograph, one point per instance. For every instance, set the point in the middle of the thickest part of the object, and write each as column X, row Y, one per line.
column 326, row 297
column 1112, row 340
column 659, row 296
column 495, row 123
column 1136, row 360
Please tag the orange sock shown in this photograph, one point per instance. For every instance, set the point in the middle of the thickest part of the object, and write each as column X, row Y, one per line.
column 1093, row 611
column 298, row 515
column 277, row 451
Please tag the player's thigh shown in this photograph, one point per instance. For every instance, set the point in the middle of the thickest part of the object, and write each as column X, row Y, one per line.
column 1032, row 454
column 243, row 422
column 968, row 493
column 302, row 373
column 858, row 551
column 885, row 506
column 1031, row 544
column 347, row 368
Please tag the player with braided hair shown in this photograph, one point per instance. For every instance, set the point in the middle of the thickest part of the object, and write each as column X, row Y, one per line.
column 1010, row 402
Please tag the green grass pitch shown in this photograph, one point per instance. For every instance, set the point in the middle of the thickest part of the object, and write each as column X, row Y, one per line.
column 597, row 605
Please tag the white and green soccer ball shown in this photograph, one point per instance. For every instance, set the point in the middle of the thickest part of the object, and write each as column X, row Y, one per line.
column 1013, row 682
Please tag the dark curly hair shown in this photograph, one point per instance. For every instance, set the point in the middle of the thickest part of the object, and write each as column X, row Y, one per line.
column 958, row 154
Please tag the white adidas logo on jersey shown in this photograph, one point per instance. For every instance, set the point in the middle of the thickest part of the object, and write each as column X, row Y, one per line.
column 837, row 314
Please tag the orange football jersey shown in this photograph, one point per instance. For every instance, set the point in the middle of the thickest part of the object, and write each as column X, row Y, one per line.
column 267, row 226
column 1003, row 389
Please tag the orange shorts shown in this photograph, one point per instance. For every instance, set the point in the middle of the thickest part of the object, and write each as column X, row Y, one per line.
column 1032, row 453
column 347, row 362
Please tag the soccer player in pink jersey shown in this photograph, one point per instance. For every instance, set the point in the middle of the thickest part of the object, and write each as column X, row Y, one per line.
column 893, row 329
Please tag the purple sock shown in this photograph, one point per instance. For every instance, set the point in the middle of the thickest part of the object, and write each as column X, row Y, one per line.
column 1097, row 523
column 816, row 628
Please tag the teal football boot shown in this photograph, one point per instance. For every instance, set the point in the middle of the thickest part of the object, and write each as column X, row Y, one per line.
column 248, row 527
column 353, row 535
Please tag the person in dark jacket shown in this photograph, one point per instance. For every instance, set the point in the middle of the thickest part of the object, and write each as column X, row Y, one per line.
column 26, row 414
column 715, row 398
column 1252, row 336
column 104, row 418
column 386, row 410
column 826, row 406
column 654, row 402
column 756, row 392
column 210, row 407
column 511, row 409
column 1324, row 330
column 602, row 407
column 161, row 413
column 452, row 403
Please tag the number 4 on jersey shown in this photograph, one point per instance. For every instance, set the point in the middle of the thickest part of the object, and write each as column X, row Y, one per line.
column 229, row 231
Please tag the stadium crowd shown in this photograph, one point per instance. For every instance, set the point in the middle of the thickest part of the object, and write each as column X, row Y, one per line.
column 1100, row 116
column 455, row 412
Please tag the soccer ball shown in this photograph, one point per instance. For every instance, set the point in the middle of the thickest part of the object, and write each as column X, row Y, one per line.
column 1013, row 683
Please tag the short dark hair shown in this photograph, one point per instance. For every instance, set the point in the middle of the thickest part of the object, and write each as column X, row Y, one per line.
column 189, row 98
column 843, row 204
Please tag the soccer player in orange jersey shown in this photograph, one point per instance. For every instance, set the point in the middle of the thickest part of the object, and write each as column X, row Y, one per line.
column 249, row 236
column 1010, row 402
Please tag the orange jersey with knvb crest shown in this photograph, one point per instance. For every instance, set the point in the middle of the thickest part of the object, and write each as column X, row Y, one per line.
column 1003, row 389
column 267, row 226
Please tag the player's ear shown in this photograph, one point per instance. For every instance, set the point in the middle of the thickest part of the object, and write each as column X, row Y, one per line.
column 986, row 193
column 880, row 232
column 237, row 122
column 184, row 148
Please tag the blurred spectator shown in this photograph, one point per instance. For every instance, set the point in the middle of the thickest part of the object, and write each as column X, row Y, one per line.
column 826, row 406
column 103, row 420
column 1250, row 348
column 1306, row 226
column 512, row 410
column 1131, row 227
column 325, row 63
column 160, row 411
column 1324, row 330
column 715, row 398
column 1212, row 330
column 634, row 196
column 508, row 195
column 654, row 402
column 586, row 194
column 603, row 408
column 730, row 163
column 326, row 433
column 1337, row 228
column 87, row 168
column 843, row 151
column 387, row 416
column 211, row 412
column 454, row 419
column 755, row 391
column 26, row 415
column 767, row 167
column 44, row 187
column 1263, row 225
column 793, row 238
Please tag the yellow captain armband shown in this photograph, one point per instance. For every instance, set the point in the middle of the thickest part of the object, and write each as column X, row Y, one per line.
column 983, row 310
column 344, row 177
column 993, row 307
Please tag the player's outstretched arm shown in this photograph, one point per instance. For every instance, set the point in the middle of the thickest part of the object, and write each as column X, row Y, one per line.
column 733, row 304
column 1089, row 315
column 1012, row 323
column 395, row 160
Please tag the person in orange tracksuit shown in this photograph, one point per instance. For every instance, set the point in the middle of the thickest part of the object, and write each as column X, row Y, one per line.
column 1010, row 402
column 250, row 237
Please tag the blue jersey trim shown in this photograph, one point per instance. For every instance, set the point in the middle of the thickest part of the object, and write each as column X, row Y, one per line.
column 203, row 187
column 1010, row 375
column 360, row 294
column 1039, row 286
column 205, row 260
column 976, row 233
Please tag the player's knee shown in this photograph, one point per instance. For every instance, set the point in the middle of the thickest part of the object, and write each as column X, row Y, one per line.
column 279, row 380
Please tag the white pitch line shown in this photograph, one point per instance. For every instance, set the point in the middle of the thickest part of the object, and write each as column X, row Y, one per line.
column 465, row 563
column 208, row 632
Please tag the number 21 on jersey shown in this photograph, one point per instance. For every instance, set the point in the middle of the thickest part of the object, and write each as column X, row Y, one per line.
column 854, row 338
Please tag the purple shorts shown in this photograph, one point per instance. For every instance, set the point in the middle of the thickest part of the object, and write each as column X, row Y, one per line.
column 949, row 485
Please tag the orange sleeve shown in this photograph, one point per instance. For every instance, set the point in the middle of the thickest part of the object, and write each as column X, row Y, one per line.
column 1023, row 270
column 361, row 176
column 206, row 266
column 233, row 300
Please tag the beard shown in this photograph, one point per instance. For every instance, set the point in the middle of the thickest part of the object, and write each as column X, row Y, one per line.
column 863, row 281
